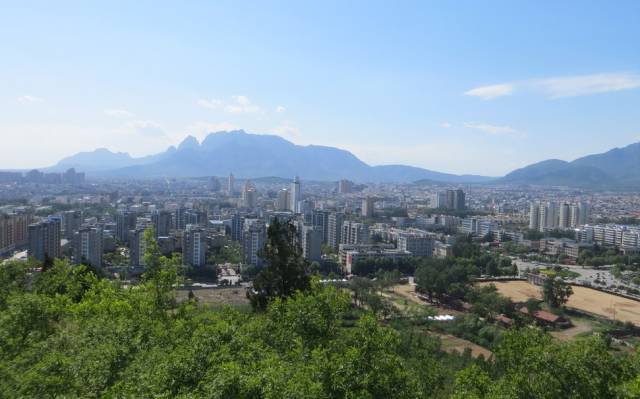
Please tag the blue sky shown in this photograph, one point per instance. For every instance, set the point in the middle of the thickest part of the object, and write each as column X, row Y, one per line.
column 463, row 87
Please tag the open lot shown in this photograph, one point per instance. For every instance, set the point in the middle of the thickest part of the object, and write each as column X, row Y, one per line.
column 228, row 296
column 587, row 299
column 408, row 292
column 451, row 343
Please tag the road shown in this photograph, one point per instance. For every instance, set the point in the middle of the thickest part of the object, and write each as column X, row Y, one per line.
column 588, row 275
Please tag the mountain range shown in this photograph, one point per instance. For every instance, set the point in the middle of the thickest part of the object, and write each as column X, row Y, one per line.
column 256, row 155
column 618, row 168
column 250, row 156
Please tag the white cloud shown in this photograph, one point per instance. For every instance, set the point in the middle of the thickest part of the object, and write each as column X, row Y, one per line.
column 583, row 85
column 118, row 113
column 26, row 99
column 241, row 104
column 445, row 125
column 242, row 100
column 566, row 86
column 280, row 109
column 211, row 104
column 495, row 130
column 491, row 92
column 146, row 128
column 201, row 129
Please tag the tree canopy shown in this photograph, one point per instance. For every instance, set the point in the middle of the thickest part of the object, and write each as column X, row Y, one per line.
column 285, row 272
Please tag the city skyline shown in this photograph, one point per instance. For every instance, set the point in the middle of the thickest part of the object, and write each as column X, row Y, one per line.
column 389, row 87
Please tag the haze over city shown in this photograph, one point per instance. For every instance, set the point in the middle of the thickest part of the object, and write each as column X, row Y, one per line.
column 408, row 83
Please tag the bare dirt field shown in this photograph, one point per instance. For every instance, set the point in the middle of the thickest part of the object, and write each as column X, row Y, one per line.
column 229, row 296
column 587, row 299
column 408, row 292
column 451, row 343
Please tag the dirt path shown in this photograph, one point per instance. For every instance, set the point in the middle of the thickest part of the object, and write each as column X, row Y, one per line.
column 579, row 326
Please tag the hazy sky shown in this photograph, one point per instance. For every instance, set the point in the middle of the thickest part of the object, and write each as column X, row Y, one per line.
column 464, row 87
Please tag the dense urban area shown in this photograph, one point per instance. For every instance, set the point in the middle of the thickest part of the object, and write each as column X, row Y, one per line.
column 228, row 287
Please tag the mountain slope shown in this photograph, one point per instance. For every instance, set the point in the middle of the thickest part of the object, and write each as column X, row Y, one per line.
column 616, row 168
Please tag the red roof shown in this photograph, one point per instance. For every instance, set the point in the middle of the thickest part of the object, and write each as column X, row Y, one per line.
column 542, row 315
column 546, row 316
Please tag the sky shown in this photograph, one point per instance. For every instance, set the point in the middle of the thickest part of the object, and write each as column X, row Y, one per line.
column 460, row 87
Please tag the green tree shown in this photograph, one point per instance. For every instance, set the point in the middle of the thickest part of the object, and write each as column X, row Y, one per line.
column 285, row 271
column 161, row 272
column 556, row 292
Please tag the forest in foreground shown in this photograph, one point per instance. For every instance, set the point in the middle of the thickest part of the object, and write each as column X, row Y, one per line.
column 67, row 332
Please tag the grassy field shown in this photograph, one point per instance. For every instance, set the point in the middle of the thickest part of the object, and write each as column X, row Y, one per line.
column 586, row 299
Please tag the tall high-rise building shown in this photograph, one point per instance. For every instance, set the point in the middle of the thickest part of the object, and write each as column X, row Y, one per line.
column 534, row 216
column 450, row 199
column 311, row 243
column 253, row 240
column 345, row 186
column 574, row 216
column 161, row 221
column 368, row 207
column 249, row 195
column 334, row 230
column 44, row 239
column 583, row 213
column 14, row 231
column 72, row 220
column 282, row 202
column 125, row 221
column 194, row 216
column 354, row 233
column 418, row 245
column 137, row 247
column 459, row 201
column 294, row 195
column 320, row 221
column 237, row 223
column 564, row 217
column 438, row 200
column 179, row 222
column 231, row 184
column 194, row 247
column 87, row 245
column 548, row 216
column 71, row 177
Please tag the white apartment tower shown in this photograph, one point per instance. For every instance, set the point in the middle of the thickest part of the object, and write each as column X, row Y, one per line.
column 294, row 203
column 231, row 183
column 564, row 216
column 534, row 216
